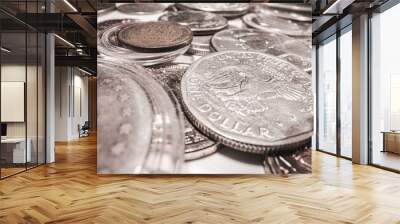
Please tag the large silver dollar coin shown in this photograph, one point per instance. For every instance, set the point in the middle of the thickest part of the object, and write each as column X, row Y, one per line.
column 196, row 144
column 275, row 24
column 199, row 22
column 250, row 101
column 155, row 35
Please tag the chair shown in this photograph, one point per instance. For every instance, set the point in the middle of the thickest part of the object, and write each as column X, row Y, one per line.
column 84, row 130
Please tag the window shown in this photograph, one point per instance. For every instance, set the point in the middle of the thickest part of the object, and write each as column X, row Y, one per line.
column 385, row 89
column 346, row 74
column 327, row 96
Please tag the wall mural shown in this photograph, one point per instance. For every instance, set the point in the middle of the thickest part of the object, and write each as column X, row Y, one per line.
column 204, row 88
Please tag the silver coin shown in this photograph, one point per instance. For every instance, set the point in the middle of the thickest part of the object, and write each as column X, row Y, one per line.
column 119, row 95
column 236, row 24
column 301, row 62
column 249, row 39
column 199, row 22
column 294, row 16
column 201, row 153
column 142, row 8
column 200, row 45
column 299, row 47
column 299, row 7
column 170, row 77
column 228, row 10
column 105, row 8
column 249, row 101
column 275, row 24
column 261, row 41
column 136, row 139
column 298, row 162
column 283, row 13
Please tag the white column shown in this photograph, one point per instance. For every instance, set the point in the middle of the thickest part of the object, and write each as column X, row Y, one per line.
column 360, row 90
column 50, row 99
column 50, row 93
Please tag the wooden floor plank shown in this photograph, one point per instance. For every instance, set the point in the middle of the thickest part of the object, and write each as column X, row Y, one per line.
column 70, row 191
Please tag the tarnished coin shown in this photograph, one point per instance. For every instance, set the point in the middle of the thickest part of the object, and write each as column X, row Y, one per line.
column 249, row 39
column 199, row 22
column 275, row 24
column 301, row 62
column 249, row 101
column 109, row 45
column 141, row 8
column 195, row 142
column 228, row 10
column 155, row 35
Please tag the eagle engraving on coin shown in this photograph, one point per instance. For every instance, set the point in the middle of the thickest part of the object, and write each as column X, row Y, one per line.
column 249, row 101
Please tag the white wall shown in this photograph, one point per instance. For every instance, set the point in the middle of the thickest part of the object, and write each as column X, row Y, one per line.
column 69, row 82
column 17, row 72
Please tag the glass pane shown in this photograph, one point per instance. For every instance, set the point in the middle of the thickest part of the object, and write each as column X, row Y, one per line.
column 41, row 98
column 385, row 84
column 31, row 98
column 327, row 96
column 13, row 87
column 346, row 94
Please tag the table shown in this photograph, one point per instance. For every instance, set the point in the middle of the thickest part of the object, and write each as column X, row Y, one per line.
column 13, row 150
column 391, row 141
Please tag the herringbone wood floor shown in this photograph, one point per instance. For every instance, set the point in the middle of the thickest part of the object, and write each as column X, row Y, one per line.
column 69, row 191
